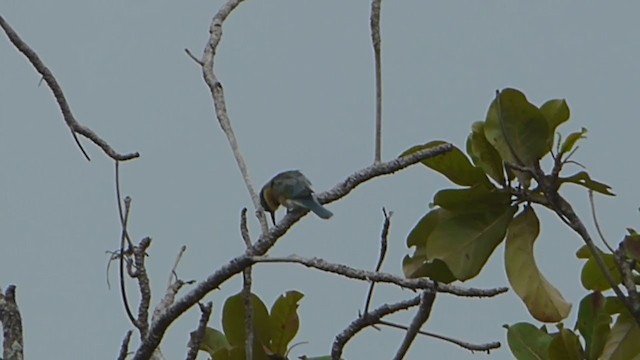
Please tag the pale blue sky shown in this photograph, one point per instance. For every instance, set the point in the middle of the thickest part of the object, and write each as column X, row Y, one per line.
column 298, row 77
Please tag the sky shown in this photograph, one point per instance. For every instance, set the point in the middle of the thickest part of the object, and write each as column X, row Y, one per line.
column 298, row 79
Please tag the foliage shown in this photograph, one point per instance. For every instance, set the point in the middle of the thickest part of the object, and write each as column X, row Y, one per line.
column 496, row 203
column 272, row 330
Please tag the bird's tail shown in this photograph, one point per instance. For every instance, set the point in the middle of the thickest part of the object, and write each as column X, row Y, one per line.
column 313, row 205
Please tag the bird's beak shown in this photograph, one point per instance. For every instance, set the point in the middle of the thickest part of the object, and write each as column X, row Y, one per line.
column 273, row 217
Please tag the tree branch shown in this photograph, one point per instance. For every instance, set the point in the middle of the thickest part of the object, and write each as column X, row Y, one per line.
column 381, row 277
column 426, row 302
column 72, row 123
column 383, row 253
column 375, row 40
column 196, row 337
column 13, row 345
column 368, row 319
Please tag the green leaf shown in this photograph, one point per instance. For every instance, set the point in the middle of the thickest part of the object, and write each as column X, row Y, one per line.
column 582, row 178
column 556, row 112
column 593, row 323
column 212, row 341
column 543, row 300
column 565, row 346
column 419, row 234
column 284, row 321
column 454, row 165
column 233, row 317
column 631, row 246
column 592, row 277
column 465, row 240
column 527, row 342
column 517, row 129
column 475, row 199
column 571, row 141
column 418, row 266
column 623, row 342
column 483, row 154
column 583, row 252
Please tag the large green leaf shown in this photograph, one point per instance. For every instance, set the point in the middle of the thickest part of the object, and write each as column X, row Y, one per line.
column 419, row 234
column 543, row 300
column 565, row 346
column 233, row 318
column 624, row 340
column 582, row 178
column 483, row 154
column 527, row 342
column 284, row 321
column 592, row 277
column 593, row 323
column 465, row 240
column 556, row 112
column 454, row 165
column 474, row 199
column 517, row 129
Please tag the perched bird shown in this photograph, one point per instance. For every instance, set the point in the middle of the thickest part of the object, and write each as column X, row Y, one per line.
column 292, row 190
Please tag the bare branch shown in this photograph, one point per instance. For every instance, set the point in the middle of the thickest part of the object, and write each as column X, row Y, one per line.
column 383, row 253
column 196, row 337
column 381, row 277
column 72, row 123
column 124, row 347
column 244, row 230
column 139, row 253
column 248, row 313
column 472, row 347
column 13, row 343
column 173, row 277
column 426, row 302
column 368, row 319
column 375, row 40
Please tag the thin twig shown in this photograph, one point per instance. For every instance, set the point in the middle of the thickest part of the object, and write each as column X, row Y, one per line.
column 381, row 277
column 369, row 319
column 219, row 102
column 13, row 343
column 383, row 253
column 144, row 285
column 173, row 276
column 424, row 310
column 246, row 289
column 472, row 347
column 123, row 214
column 124, row 347
column 193, row 57
column 248, row 313
column 72, row 123
column 376, row 42
column 595, row 221
column 196, row 337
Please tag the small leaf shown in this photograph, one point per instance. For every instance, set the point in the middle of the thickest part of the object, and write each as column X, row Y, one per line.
column 582, row 178
column 543, row 300
column 583, row 252
column 212, row 341
column 483, row 154
column 419, row 234
column 517, row 129
column 284, row 321
column 465, row 240
column 556, row 112
column 593, row 323
column 454, row 165
column 527, row 342
column 623, row 342
column 565, row 346
column 631, row 245
column 571, row 140
column 592, row 277
column 418, row 266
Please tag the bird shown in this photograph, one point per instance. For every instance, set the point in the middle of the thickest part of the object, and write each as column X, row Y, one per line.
column 292, row 190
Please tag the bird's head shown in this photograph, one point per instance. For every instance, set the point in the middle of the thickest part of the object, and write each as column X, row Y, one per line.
column 268, row 201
